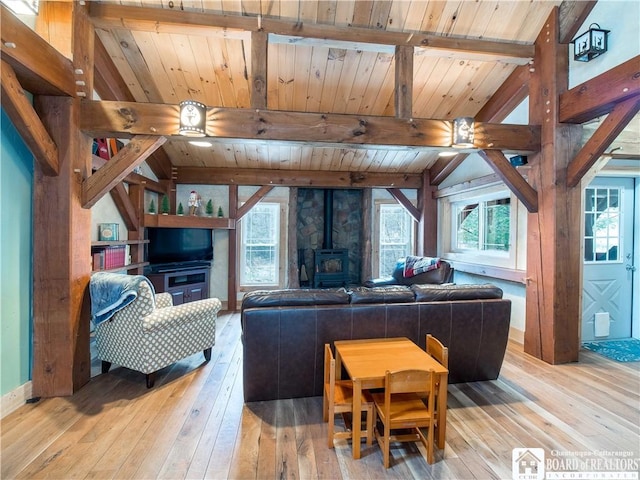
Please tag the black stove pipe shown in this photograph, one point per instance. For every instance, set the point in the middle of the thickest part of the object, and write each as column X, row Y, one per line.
column 327, row 238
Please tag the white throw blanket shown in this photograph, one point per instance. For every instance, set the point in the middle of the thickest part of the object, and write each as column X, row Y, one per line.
column 111, row 292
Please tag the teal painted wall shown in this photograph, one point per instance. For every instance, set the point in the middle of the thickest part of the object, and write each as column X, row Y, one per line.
column 16, row 260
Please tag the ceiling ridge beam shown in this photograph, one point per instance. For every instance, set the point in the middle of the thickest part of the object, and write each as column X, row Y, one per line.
column 162, row 20
column 39, row 67
column 118, row 119
column 512, row 178
column 606, row 133
column 28, row 123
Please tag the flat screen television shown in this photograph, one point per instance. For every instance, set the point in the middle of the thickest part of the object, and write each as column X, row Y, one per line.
column 179, row 245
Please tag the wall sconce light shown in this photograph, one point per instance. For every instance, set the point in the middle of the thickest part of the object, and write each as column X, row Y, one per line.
column 590, row 44
column 462, row 132
column 193, row 118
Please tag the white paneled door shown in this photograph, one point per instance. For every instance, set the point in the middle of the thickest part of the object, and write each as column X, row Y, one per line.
column 608, row 242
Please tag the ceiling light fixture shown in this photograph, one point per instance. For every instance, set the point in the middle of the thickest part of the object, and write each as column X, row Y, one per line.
column 200, row 143
column 463, row 132
column 448, row 153
column 193, row 118
column 590, row 44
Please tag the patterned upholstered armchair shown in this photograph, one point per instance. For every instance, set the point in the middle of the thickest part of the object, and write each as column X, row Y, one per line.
column 150, row 333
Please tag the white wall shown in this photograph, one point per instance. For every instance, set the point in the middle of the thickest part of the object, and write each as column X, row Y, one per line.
column 622, row 17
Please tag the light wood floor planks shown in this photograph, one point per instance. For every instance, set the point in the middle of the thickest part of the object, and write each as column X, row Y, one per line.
column 193, row 424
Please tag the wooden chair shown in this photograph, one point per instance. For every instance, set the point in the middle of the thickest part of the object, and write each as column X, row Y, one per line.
column 338, row 398
column 400, row 406
column 437, row 350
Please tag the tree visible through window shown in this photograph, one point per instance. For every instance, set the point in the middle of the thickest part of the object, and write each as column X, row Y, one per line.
column 484, row 225
column 260, row 238
column 396, row 236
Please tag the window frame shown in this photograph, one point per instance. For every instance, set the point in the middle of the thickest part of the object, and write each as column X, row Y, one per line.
column 376, row 247
column 514, row 258
column 280, row 250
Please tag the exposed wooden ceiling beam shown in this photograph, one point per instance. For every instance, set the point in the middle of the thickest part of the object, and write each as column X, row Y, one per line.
column 123, row 119
column 255, row 198
column 116, row 169
column 512, row 178
column 296, row 178
column 599, row 95
column 571, row 16
column 606, row 133
column 27, row 122
column 108, row 82
column 402, row 199
column 171, row 21
column 125, row 206
column 510, row 94
column 109, row 85
column 39, row 67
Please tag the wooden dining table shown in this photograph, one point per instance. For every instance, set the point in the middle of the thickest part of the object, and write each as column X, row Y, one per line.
column 367, row 361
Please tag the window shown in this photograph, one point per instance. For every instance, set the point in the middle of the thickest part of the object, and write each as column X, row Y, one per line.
column 259, row 253
column 483, row 225
column 396, row 236
column 601, row 224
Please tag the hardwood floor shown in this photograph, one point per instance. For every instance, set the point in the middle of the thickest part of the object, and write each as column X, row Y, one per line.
column 194, row 424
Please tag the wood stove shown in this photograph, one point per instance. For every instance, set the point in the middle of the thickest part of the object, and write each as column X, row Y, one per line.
column 331, row 268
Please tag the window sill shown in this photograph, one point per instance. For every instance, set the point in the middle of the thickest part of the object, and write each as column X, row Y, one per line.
column 509, row 274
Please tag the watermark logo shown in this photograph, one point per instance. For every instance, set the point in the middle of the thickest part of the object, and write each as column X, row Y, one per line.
column 527, row 464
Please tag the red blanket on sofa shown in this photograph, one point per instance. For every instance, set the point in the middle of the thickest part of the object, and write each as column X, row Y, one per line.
column 416, row 265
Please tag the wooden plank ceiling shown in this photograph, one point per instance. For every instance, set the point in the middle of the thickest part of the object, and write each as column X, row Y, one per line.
column 165, row 63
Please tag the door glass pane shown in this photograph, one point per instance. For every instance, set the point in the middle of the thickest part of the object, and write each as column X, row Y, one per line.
column 602, row 224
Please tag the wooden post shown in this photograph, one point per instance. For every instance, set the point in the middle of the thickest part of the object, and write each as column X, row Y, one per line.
column 232, row 287
column 366, row 271
column 259, row 49
column 62, row 228
column 404, row 82
column 62, row 259
column 553, row 244
column 428, row 227
column 293, row 271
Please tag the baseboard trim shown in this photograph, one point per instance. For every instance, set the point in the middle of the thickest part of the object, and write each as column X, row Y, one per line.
column 13, row 400
column 516, row 335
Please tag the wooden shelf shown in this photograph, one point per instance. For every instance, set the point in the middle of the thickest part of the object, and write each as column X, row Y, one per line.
column 131, row 266
column 110, row 243
column 187, row 221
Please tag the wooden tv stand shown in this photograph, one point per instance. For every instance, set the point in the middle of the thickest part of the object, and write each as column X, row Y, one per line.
column 185, row 286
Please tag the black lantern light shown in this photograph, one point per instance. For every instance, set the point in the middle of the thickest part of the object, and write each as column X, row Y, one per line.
column 462, row 132
column 193, row 118
column 590, row 44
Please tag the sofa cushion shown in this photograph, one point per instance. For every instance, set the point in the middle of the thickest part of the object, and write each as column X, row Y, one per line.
column 439, row 293
column 295, row 297
column 388, row 294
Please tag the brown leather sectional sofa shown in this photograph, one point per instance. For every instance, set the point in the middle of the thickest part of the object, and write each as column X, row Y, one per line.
column 284, row 331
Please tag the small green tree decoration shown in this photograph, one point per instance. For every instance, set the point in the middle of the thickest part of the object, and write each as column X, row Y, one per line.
column 209, row 208
column 220, row 214
column 180, row 209
column 165, row 205
column 152, row 207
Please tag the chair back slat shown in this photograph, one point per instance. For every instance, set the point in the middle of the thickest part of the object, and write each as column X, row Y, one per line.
column 437, row 350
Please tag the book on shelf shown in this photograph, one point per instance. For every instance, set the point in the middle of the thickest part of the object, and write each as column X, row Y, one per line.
column 108, row 257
